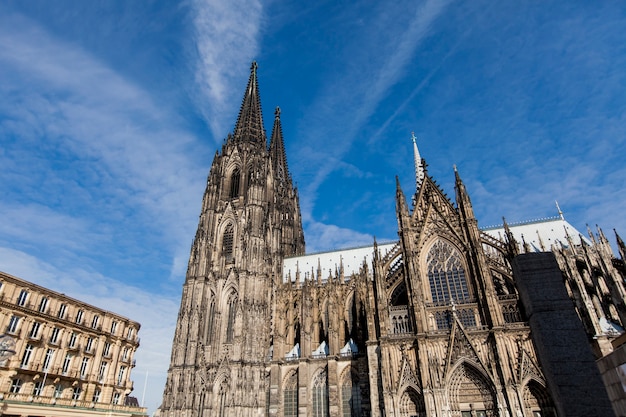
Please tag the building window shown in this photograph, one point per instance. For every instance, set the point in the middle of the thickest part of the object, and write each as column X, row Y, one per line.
column 72, row 341
column 320, row 396
column 48, row 359
column 210, row 320
column 43, row 304
column 66, row 364
column 21, row 300
column 83, row 368
column 34, row 330
column 27, row 354
column 351, row 397
column 446, row 274
column 227, row 243
column 54, row 336
column 89, row 344
column 116, row 398
column 12, row 328
column 76, row 394
column 94, row 321
column 290, row 396
column 106, row 352
column 103, row 371
column 467, row 317
column 96, row 396
column 234, row 184
column 113, row 327
column 79, row 317
column 130, row 333
column 16, row 384
column 62, row 310
column 125, row 354
column 37, row 388
column 120, row 375
column 58, row 391
column 230, row 324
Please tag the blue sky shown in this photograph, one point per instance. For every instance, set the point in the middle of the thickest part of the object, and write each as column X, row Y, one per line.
column 111, row 112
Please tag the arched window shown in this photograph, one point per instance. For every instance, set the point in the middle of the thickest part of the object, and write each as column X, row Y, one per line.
column 320, row 395
column 210, row 320
column 230, row 325
column 234, row 184
column 290, row 396
column 227, row 244
column 350, row 396
column 446, row 274
column 223, row 390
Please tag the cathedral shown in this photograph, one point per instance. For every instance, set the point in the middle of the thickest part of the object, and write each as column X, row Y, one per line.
column 429, row 325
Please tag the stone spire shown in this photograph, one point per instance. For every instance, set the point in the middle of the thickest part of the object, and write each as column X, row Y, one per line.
column 277, row 151
column 249, row 127
column 419, row 168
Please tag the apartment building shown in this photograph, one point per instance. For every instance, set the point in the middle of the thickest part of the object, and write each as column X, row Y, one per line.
column 62, row 357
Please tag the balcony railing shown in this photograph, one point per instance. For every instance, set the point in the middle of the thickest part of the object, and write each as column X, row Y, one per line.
column 68, row 402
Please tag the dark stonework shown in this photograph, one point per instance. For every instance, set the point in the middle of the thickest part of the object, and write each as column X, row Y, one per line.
column 560, row 340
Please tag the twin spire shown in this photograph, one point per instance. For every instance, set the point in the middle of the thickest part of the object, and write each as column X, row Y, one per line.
column 250, row 129
column 249, row 125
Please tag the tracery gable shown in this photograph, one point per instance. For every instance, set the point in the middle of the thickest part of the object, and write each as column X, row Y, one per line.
column 528, row 369
column 407, row 376
column 461, row 349
column 435, row 224
column 432, row 199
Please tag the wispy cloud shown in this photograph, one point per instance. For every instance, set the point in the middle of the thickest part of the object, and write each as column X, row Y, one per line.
column 80, row 111
column 349, row 100
column 96, row 168
column 227, row 38
column 157, row 314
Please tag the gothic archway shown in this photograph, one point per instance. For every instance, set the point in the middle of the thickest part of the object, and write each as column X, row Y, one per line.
column 411, row 404
column 537, row 400
column 469, row 390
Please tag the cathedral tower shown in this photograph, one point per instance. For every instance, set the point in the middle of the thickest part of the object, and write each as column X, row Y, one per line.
column 249, row 221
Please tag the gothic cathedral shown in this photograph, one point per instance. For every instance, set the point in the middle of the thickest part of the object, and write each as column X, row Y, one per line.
column 429, row 325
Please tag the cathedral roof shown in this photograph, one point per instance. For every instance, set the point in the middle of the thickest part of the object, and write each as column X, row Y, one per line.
column 329, row 262
column 541, row 232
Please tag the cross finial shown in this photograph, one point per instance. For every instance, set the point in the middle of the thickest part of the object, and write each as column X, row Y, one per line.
column 277, row 112
column 413, row 137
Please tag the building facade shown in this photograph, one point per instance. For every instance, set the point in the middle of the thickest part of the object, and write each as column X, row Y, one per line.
column 429, row 325
column 60, row 356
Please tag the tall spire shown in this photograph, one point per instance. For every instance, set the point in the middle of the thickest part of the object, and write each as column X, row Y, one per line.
column 277, row 150
column 249, row 125
column 559, row 210
column 419, row 169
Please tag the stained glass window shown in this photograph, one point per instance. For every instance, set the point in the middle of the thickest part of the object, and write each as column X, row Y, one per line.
column 446, row 274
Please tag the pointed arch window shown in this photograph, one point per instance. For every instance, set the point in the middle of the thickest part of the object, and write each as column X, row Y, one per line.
column 230, row 325
column 210, row 320
column 350, row 396
column 290, row 396
column 446, row 274
column 227, row 243
column 234, row 183
column 320, row 395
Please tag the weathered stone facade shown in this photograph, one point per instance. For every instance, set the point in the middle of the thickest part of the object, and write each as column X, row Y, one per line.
column 430, row 325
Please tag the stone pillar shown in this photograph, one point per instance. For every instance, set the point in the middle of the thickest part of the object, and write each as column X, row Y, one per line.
column 562, row 346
